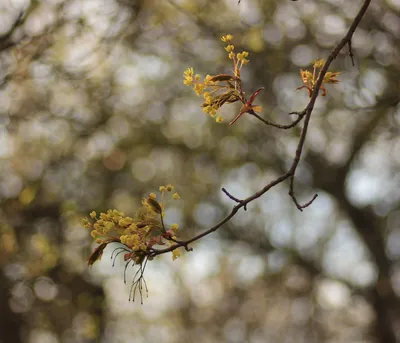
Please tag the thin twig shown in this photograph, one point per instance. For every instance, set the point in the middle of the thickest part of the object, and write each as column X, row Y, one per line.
column 293, row 196
column 233, row 198
column 279, row 126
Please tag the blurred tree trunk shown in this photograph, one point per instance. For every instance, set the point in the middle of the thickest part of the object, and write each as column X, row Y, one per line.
column 11, row 323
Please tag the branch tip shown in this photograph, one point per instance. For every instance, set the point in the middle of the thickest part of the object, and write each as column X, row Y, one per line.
column 230, row 196
column 301, row 207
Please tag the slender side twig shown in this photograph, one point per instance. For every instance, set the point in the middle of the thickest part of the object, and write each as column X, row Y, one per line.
column 279, row 126
column 292, row 195
column 291, row 172
column 229, row 195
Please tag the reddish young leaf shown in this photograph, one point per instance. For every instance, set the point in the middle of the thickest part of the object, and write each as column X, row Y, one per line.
column 254, row 95
column 248, row 106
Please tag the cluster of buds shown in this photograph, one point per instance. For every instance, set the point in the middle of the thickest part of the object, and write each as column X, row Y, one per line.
column 137, row 234
column 218, row 90
column 310, row 78
column 239, row 59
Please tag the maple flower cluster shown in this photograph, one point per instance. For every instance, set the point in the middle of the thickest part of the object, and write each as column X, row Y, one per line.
column 137, row 234
column 310, row 78
column 220, row 89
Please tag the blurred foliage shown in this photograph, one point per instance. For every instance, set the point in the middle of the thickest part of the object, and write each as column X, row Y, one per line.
column 94, row 115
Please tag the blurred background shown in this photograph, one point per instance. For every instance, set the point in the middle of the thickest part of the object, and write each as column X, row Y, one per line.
column 94, row 115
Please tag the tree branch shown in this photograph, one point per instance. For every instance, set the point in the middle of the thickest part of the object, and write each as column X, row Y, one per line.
column 291, row 172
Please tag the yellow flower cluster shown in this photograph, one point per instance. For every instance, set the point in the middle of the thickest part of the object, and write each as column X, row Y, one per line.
column 227, row 38
column 239, row 59
column 230, row 47
column 138, row 234
column 209, row 106
column 167, row 188
column 222, row 88
column 194, row 80
column 105, row 224
column 319, row 63
column 133, row 232
column 189, row 76
column 330, row 77
column 310, row 78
